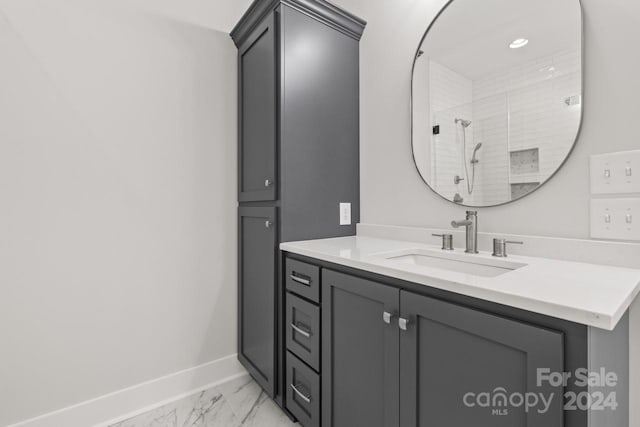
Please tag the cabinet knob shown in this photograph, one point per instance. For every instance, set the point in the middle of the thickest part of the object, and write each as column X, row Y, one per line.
column 268, row 183
column 268, row 224
column 386, row 317
column 403, row 323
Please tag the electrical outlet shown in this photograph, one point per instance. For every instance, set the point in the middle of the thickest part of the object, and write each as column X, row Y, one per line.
column 615, row 173
column 345, row 213
column 617, row 219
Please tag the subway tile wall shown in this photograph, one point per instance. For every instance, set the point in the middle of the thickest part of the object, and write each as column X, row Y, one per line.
column 523, row 108
column 451, row 96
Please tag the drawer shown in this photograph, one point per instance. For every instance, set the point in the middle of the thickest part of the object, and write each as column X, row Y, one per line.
column 303, row 330
column 303, row 279
column 302, row 392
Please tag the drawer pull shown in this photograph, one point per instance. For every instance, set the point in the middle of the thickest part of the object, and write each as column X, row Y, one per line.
column 300, row 280
column 300, row 394
column 301, row 331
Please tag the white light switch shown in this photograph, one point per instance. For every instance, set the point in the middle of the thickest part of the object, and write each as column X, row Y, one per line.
column 615, row 173
column 345, row 213
column 616, row 219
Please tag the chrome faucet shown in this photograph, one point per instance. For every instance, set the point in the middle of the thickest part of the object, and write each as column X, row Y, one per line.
column 471, row 224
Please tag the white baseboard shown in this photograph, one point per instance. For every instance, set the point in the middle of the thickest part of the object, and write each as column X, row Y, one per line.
column 132, row 401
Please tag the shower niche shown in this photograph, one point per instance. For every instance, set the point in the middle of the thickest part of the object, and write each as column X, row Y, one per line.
column 525, row 162
column 497, row 99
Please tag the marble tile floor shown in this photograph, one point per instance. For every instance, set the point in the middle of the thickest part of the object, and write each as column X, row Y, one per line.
column 237, row 403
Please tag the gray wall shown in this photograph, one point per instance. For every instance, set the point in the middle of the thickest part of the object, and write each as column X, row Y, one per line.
column 118, row 184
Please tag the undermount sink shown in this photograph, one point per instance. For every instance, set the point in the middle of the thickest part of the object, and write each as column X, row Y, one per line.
column 459, row 263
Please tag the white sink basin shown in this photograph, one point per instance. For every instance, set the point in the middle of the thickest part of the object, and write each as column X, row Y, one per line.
column 459, row 263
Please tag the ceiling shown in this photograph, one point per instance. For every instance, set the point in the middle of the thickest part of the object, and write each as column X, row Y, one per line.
column 220, row 15
column 472, row 37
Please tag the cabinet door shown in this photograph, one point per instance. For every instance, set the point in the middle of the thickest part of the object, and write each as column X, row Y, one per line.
column 257, row 114
column 257, row 293
column 359, row 352
column 448, row 351
column 320, row 131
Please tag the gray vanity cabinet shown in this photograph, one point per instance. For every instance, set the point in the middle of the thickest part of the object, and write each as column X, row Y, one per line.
column 391, row 357
column 360, row 358
column 298, row 160
column 257, row 119
column 448, row 351
column 299, row 114
column 256, row 292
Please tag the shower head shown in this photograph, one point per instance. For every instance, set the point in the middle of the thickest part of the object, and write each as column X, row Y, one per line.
column 465, row 123
column 474, row 159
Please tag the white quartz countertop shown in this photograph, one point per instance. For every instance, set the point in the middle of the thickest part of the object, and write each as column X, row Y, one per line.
column 590, row 294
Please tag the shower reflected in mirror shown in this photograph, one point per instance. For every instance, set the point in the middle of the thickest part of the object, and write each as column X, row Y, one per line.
column 497, row 97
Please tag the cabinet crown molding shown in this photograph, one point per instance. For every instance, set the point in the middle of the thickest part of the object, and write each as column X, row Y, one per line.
column 321, row 10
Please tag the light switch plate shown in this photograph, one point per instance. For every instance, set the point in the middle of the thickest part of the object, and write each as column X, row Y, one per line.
column 615, row 219
column 615, row 173
column 345, row 213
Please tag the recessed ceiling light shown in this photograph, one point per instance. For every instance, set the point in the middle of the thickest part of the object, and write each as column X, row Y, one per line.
column 518, row 43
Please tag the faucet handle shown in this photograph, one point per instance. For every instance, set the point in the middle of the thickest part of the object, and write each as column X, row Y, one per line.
column 447, row 241
column 500, row 247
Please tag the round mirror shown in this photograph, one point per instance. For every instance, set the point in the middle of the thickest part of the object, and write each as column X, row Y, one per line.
column 497, row 97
